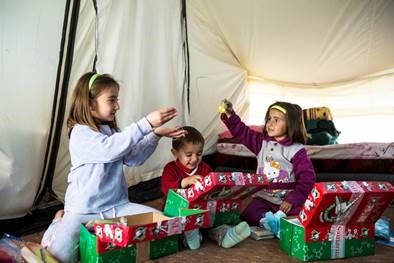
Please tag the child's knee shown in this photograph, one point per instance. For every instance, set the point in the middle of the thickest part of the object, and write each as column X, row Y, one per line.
column 65, row 248
column 252, row 217
column 294, row 211
column 59, row 214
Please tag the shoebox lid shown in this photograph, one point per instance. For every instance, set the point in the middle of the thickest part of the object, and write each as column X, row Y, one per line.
column 346, row 202
column 217, row 206
column 226, row 185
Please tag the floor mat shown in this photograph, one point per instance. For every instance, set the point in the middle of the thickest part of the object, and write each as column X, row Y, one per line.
column 33, row 222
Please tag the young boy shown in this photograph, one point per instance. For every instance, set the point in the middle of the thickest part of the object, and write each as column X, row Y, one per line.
column 188, row 169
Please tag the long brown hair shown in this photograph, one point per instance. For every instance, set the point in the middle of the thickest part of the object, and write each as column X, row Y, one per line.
column 82, row 99
column 296, row 130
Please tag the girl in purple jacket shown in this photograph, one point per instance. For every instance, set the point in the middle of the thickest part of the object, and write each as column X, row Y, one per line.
column 281, row 156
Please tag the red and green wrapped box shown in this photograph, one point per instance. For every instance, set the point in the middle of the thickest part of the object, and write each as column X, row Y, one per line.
column 337, row 220
column 135, row 238
column 93, row 250
column 221, row 193
column 219, row 211
column 344, row 202
column 293, row 242
column 226, row 186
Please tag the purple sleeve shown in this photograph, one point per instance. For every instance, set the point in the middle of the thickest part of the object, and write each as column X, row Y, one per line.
column 305, row 178
column 242, row 133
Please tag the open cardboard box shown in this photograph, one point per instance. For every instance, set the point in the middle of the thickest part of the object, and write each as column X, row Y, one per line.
column 135, row 238
column 336, row 221
column 293, row 242
column 221, row 193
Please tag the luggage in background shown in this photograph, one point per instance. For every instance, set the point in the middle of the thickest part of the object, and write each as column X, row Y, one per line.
column 320, row 126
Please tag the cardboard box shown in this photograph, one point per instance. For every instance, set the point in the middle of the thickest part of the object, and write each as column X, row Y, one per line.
column 92, row 250
column 123, row 231
column 221, row 193
column 337, row 220
column 292, row 241
column 226, row 186
column 137, row 237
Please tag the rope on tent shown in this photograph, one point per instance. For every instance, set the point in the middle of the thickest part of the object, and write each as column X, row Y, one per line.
column 96, row 38
column 185, row 47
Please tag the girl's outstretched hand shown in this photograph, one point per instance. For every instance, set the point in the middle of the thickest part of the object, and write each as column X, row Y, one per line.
column 226, row 107
column 175, row 132
column 159, row 117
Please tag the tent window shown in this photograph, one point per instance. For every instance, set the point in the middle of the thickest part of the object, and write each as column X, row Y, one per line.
column 366, row 115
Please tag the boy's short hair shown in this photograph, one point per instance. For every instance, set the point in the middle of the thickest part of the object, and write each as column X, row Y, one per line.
column 192, row 136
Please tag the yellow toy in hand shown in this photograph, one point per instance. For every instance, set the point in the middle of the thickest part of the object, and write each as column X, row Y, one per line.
column 222, row 108
column 225, row 106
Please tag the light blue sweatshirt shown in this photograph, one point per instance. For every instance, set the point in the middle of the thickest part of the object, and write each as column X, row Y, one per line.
column 96, row 181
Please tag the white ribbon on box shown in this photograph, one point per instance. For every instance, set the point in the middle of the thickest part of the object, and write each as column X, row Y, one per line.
column 345, row 212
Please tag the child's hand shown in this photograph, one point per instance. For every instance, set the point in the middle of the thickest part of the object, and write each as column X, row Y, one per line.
column 175, row 132
column 285, row 207
column 190, row 180
column 159, row 117
column 226, row 107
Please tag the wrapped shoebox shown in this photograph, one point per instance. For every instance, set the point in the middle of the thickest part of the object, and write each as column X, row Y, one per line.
column 292, row 241
column 135, row 238
column 336, row 221
column 221, row 193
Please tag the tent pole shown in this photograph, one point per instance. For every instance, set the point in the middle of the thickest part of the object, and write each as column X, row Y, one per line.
column 59, row 103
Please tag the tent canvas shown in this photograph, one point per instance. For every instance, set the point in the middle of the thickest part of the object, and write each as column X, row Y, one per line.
column 189, row 54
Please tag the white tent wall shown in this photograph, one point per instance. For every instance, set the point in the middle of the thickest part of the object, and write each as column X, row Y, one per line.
column 300, row 42
column 139, row 43
column 215, row 73
column 30, row 35
column 315, row 53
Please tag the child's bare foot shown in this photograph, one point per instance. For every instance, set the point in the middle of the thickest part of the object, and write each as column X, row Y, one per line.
column 59, row 214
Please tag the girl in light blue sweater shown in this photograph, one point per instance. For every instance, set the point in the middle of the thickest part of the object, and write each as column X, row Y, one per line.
column 97, row 188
